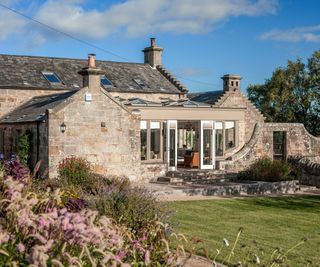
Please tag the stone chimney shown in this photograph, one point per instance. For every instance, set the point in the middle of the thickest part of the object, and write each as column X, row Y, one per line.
column 153, row 54
column 231, row 82
column 91, row 74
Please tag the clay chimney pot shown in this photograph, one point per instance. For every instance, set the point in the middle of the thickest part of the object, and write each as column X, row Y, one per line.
column 153, row 42
column 91, row 61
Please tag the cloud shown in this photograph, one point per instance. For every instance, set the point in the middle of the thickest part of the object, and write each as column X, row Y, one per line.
column 134, row 18
column 294, row 35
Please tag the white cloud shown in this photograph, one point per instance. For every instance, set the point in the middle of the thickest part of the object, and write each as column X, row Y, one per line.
column 300, row 34
column 134, row 18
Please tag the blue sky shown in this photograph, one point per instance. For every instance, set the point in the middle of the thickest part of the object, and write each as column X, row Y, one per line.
column 202, row 39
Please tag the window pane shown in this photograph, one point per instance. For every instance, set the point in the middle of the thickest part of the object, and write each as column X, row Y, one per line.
column 230, row 134
column 51, row 77
column 143, row 125
column 172, row 160
column 219, row 138
column 143, row 136
column 105, row 82
column 155, row 140
column 207, row 147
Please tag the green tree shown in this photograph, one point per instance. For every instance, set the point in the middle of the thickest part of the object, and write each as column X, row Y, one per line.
column 292, row 94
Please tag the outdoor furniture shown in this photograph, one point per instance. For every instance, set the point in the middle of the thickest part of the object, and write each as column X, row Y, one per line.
column 192, row 160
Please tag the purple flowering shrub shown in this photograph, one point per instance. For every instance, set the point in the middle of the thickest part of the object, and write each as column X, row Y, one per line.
column 38, row 229
column 16, row 170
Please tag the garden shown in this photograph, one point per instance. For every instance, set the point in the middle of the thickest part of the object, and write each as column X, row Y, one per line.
column 84, row 219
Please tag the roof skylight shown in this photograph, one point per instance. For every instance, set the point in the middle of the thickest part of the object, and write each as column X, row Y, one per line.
column 51, row 77
column 105, row 82
column 140, row 82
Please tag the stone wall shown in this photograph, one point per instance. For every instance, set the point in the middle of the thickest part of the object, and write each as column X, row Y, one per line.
column 12, row 98
column 299, row 142
column 9, row 136
column 307, row 169
column 235, row 99
column 102, row 131
column 151, row 171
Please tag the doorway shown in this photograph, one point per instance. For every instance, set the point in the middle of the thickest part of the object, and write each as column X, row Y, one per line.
column 279, row 145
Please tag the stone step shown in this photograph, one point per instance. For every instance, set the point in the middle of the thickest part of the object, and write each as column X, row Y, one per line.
column 184, row 180
column 166, row 179
column 195, row 173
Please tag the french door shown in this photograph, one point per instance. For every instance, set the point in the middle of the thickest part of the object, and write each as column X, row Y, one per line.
column 207, row 145
column 172, row 138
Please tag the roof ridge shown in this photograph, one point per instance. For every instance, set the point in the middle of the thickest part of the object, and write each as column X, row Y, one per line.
column 171, row 78
column 70, row 58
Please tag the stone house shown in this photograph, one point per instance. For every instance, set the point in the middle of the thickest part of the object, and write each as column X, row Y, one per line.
column 134, row 119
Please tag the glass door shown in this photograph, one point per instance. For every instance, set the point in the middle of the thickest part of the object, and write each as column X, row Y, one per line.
column 172, row 138
column 207, row 155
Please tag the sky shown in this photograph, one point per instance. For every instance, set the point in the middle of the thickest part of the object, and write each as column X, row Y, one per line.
column 202, row 39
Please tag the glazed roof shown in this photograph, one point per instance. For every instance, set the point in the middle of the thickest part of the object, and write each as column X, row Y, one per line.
column 206, row 97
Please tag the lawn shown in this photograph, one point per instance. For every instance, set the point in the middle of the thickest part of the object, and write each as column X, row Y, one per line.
column 268, row 223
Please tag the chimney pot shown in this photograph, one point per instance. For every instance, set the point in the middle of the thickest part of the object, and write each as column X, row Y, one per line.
column 153, row 42
column 91, row 61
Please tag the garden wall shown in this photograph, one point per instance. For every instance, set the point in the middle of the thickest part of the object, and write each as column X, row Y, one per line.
column 298, row 140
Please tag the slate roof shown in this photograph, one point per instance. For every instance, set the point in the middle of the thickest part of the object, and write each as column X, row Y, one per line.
column 35, row 109
column 207, row 97
column 26, row 72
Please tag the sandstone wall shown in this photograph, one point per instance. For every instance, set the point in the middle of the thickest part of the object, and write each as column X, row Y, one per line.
column 12, row 98
column 102, row 131
column 299, row 142
column 235, row 99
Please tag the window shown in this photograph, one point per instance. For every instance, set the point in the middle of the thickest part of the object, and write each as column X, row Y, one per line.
column 231, row 83
column 219, row 138
column 140, row 82
column 155, row 136
column 151, row 140
column 225, row 137
column 237, row 83
column 105, row 82
column 230, row 134
column 143, row 137
column 51, row 77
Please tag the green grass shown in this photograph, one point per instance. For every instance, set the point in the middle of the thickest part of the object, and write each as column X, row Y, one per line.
column 268, row 223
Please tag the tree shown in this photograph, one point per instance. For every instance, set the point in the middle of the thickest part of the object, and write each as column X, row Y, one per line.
column 292, row 94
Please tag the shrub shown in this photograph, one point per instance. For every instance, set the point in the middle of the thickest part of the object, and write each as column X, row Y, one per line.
column 16, row 170
column 131, row 206
column 75, row 171
column 36, row 230
column 267, row 170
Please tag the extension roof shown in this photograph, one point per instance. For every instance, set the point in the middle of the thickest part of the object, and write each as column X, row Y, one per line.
column 18, row 72
column 207, row 97
column 35, row 109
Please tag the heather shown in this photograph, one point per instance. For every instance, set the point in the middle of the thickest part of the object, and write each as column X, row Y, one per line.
column 55, row 227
